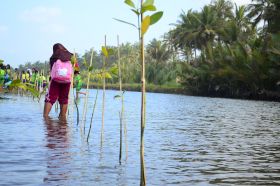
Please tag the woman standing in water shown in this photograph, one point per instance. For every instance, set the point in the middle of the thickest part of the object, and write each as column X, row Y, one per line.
column 61, row 73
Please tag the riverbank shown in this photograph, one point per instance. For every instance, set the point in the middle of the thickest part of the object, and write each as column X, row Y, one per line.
column 178, row 89
column 170, row 89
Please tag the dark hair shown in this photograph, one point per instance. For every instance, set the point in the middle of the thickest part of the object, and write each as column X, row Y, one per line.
column 76, row 72
column 60, row 52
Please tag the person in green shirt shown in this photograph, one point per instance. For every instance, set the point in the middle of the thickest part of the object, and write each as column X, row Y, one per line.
column 34, row 76
column 2, row 74
column 78, row 83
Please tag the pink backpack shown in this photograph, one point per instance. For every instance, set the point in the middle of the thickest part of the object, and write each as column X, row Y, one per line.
column 62, row 71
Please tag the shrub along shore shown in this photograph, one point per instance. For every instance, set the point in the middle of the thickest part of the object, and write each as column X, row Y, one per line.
column 174, row 89
column 177, row 89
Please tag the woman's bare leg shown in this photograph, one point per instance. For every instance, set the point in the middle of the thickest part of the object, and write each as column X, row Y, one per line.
column 47, row 109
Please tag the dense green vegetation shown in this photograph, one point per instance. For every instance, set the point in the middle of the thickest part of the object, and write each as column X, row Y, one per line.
column 222, row 50
column 230, row 51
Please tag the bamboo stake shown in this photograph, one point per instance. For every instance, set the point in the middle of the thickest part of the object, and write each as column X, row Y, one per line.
column 121, row 113
column 69, row 94
column 143, row 109
column 103, row 99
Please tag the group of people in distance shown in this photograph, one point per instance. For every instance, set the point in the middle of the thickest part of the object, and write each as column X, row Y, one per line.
column 34, row 77
column 7, row 75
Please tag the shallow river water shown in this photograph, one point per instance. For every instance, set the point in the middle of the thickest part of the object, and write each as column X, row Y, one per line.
column 188, row 141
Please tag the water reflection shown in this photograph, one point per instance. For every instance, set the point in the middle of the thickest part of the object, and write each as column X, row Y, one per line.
column 58, row 155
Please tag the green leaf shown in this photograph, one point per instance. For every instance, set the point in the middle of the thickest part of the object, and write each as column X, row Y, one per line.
column 104, row 51
column 136, row 12
column 110, row 51
column 117, row 97
column 108, row 75
column 17, row 81
column 1, row 61
column 33, row 91
column 73, row 59
column 274, row 51
column 129, row 3
column 18, row 84
column 145, row 25
column 90, row 68
column 114, row 70
column 148, row 8
column 96, row 76
column 156, row 17
column 85, row 62
column 148, row 2
column 131, row 24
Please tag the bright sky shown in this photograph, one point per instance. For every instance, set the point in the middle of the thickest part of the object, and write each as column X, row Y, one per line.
column 29, row 28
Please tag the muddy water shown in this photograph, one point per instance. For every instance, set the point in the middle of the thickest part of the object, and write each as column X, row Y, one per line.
column 188, row 141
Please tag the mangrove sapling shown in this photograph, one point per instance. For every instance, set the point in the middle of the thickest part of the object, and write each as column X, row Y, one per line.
column 99, row 76
column 87, row 92
column 121, row 114
column 146, row 21
column 23, row 86
column 77, row 108
column 93, row 110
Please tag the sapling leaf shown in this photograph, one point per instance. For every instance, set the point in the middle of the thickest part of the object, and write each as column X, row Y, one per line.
column 148, row 8
column 17, row 81
column 156, row 17
column 110, row 51
column 114, row 70
column 136, row 12
column 85, row 62
column 108, row 75
column 117, row 97
column 145, row 25
column 148, row 2
column 73, row 60
column 90, row 68
column 104, row 51
column 129, row 3
column 131, row 24
column 33, row 91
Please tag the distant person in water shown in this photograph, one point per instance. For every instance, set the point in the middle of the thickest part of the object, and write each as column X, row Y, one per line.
column 23, row 76
column 78, row 83
column 61, row 75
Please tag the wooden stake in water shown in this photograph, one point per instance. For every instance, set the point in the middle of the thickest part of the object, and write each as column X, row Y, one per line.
column 103, row 99
column 143, row 106
column 72, row 87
